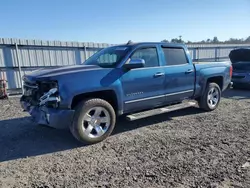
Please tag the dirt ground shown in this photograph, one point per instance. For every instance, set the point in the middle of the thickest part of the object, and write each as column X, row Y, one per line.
column 188, row 148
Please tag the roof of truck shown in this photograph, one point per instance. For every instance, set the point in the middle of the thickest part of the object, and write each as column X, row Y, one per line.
column 130, row 43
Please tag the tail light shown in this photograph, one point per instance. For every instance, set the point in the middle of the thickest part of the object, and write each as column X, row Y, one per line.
column 231, row 71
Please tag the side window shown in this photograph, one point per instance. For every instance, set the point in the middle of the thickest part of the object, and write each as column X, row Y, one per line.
column 149, row 55
column 175, row 56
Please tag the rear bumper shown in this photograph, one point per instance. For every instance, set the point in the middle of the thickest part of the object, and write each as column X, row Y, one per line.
column 244, row 83
column 57, row 118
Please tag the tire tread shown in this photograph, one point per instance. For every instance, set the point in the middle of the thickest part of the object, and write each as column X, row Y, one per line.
column 203, row 100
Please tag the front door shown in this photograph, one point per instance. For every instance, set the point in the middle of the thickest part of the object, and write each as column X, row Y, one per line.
column 143, row 88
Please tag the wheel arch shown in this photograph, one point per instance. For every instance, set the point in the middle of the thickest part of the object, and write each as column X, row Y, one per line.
column 108, row 95
column 215, row 79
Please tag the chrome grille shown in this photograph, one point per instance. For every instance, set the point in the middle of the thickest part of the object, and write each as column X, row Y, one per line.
column 30, row 85
column 29, row 88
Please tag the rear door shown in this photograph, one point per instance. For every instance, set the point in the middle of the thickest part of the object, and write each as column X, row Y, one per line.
column 144, row 87
column 179, row 74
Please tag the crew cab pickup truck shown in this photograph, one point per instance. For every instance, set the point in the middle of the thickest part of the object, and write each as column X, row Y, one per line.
column 134, row 80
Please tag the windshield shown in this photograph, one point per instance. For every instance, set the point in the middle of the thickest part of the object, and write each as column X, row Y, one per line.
column 108, row 57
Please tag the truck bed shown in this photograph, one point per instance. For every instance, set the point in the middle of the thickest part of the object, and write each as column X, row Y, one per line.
column 201, row 65
column 211, row 62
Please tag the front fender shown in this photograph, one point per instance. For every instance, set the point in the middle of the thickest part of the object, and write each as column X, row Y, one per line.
column 96, row 82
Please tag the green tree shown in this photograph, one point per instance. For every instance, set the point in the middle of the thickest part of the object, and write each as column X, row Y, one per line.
column 248, row 39
column 165, row 40
column 215, row 40
column 208, row 41
column 175, row 40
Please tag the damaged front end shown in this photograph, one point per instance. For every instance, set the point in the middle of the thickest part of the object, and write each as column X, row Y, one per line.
column 42, row 101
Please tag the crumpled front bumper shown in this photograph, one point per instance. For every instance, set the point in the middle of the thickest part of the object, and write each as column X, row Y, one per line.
column 57, row 118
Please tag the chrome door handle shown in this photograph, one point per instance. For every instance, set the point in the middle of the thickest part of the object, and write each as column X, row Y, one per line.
column 158, row 74
column 189, row 71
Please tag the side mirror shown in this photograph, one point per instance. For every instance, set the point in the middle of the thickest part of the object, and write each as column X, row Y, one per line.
column 134, row 63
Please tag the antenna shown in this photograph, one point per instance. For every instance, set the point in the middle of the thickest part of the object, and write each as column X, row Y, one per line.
column 129, row 42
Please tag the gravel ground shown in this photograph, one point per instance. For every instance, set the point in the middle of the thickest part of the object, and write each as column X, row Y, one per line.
column 188, row 148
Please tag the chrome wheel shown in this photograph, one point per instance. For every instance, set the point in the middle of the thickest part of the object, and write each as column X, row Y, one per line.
column 96, row 122
column 213, row 97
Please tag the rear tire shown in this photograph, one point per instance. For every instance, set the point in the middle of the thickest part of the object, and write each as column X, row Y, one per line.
column 210, row 100
column 94, row 121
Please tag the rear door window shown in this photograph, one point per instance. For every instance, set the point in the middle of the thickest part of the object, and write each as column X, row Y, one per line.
column 175, row 56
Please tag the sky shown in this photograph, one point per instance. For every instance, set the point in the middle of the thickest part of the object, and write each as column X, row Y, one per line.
column 117, row 21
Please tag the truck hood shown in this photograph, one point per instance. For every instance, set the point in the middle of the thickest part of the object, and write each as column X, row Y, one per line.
column 239, row 55
column 50, row 72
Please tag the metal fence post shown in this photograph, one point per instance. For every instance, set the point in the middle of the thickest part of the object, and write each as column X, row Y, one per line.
column 194, row 54
column 216, row 54
column 85, row 53
column 19, row 67
column 198, row 54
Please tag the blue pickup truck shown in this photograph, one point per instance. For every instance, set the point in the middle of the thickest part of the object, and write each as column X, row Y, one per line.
column 240, row 59
column 135, row 80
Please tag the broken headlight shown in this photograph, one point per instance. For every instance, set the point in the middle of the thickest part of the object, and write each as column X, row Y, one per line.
column 49, row 94
column 45, row 86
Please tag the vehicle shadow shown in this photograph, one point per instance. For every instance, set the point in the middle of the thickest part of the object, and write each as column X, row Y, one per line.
column 20, row 138
column 236, row 94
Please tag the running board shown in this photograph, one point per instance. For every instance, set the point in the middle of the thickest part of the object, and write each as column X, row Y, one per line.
column 158, row 111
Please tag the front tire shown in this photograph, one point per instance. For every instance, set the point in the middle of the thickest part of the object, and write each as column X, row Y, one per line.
column 211, row 97
column 94, row 121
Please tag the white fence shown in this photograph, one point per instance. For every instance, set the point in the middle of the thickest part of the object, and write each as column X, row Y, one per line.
column 18, row 56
